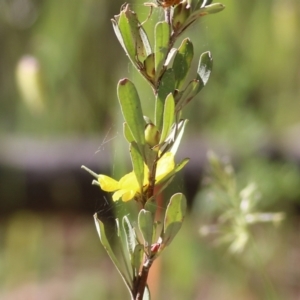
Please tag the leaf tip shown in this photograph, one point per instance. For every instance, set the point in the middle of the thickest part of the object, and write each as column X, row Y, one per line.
column 123, row 81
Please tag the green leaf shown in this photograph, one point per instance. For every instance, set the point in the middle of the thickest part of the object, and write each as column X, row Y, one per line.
column 145, row 40
column 174, row 217
column 132, row 36
column 151, row 205
column 181, row 165
column 167, row 86
column 130, row 235
column 124, row 29
column 137, row 258
column 188, row 94
column 210, row 8
column 162, row 35
column 150, row 157
column 205, row 67
column 118, row 33
column 202, row 3
column 180, row 14
column 145, row 221
column 131, row 109
column 177, row 168
column 137, row 164
column 196, row 85
column 149, row 66
column 204, row 11
column 168, row 117
column 136, row 30
column 100, row 226
column 127, row 133
column 179, row 133
column 182, row 62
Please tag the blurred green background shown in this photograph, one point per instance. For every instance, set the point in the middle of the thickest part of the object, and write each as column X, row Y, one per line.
column 250, row 112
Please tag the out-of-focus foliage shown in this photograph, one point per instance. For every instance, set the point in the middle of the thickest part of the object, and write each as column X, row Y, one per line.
column 77, row 57
column 54, row 257
column 60, row 257
column 255, row 91
column 252, row 102
column 254, row 88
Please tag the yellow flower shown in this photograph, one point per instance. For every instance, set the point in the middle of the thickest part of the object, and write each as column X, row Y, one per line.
column 127, row 187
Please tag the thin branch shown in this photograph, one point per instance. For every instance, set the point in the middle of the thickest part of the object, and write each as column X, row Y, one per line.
column 141, row 282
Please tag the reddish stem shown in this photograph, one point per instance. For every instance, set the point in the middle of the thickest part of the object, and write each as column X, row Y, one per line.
column 141, row 282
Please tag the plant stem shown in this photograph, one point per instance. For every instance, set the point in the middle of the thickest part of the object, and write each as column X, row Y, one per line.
column 151, row 180
column 168, row 15
column 141, row 282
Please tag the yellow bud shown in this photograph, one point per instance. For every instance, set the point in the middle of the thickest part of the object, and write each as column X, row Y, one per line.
column 152, row 135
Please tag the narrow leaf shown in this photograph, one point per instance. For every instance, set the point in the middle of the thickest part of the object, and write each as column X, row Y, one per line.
column 136, row 30
column 162, row 35
column 137, row 164
column 188, row 94
column 127, row 133
column 130, row 235
column 145, row 221
column 151, row 205
column 167, row 86
column 131, row 109
column 174, row 217
column 118, row 33
column 202, row 3
column 125, row 31
column 178, row 137
column 204, row 11
column 145, row 40
column 168, row 117
column 137, row 258
column 182, row 62
column 149, row 66
column 205, row 67
column 177, row 168
column 100, row 226
column 150, row 157
column 132, row 36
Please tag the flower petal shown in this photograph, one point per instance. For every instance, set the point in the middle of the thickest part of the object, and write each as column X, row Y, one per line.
column 107, row 183
column 128, row 195
column 164, row 166
column 129, row 182
column 118, row 194
column 125, row 194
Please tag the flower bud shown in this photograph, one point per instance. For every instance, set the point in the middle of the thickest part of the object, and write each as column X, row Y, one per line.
column 152, row 135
